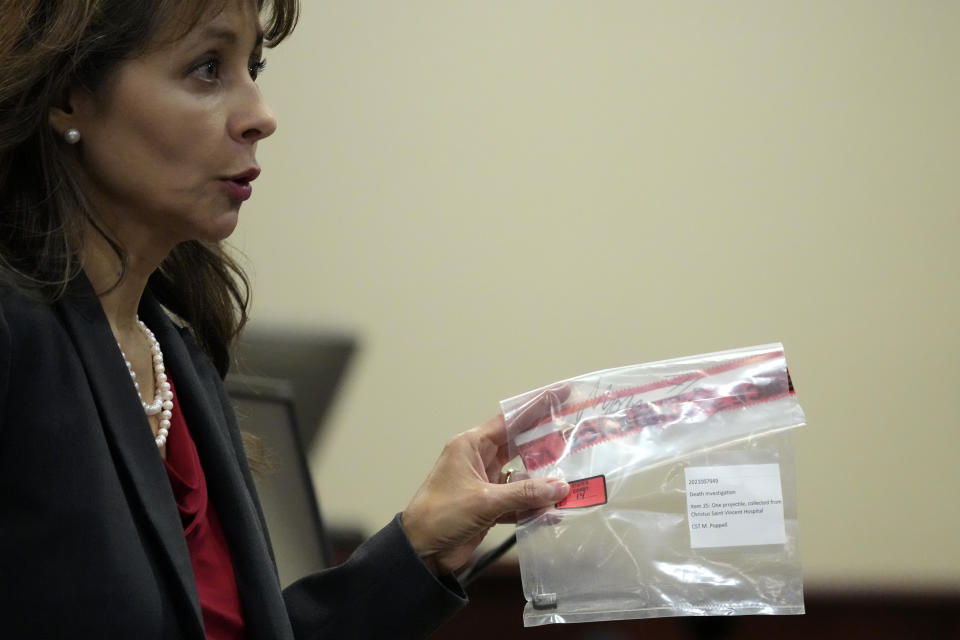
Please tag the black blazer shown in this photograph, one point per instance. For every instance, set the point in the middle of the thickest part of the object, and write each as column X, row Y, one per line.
column 91, row 543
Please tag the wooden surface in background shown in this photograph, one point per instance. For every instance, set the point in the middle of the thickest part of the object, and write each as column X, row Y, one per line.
column 496, row 611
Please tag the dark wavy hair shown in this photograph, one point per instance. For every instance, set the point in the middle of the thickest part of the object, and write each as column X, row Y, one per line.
column 47, row 46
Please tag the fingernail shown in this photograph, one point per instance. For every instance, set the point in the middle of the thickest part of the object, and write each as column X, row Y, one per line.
column 559, row 489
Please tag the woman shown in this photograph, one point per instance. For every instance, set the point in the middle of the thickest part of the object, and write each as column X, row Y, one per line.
column 127, row 146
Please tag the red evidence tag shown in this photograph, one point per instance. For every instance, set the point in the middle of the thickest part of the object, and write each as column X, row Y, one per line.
column 588, row 492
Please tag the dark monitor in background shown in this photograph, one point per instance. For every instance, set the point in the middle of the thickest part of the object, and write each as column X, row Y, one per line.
column 265, row 408
column 313, row 363
column 284, row 405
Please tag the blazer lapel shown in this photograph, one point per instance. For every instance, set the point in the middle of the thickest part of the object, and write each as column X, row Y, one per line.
column 222, row 457
column 129, row 436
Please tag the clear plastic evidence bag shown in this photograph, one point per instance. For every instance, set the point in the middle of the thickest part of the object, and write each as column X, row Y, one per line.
column 682, row 500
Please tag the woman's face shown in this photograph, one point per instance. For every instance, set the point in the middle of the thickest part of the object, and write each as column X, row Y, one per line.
column 168, row 145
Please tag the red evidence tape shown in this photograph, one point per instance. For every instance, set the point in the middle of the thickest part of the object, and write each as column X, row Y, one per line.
column 660, row 384
column 703, row 401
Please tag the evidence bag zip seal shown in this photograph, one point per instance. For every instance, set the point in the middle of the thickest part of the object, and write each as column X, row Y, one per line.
column 691, row 406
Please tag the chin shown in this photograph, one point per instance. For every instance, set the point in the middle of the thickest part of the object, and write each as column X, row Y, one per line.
column 222, row 228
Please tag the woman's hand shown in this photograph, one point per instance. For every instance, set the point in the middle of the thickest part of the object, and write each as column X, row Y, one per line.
column 462, row 498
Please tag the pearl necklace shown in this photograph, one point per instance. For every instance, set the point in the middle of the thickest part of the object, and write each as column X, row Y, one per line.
column 163, row 399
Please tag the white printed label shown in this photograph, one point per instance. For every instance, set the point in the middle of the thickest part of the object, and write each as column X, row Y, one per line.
column 735, row 506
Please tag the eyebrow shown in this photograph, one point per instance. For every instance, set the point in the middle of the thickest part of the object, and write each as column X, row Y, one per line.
column 228, row 35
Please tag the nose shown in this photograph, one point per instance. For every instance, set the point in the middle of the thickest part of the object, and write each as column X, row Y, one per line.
column 254, row 120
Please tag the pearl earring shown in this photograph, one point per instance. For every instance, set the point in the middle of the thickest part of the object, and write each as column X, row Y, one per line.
column 72, row 136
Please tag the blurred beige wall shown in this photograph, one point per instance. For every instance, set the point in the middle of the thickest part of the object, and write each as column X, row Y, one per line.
column 497, row 194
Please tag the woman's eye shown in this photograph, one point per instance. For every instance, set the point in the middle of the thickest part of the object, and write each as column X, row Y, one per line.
column 256, row 68
column 207, row 70
column 210, row 69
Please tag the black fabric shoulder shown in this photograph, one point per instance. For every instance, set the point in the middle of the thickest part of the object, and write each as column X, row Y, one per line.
column 4, row 359
column 22, row 316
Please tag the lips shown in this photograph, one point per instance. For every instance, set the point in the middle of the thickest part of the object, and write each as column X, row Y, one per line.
column 238, row 186
column 246, row 176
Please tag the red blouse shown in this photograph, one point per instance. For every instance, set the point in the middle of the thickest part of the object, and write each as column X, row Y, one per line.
column 209, row 554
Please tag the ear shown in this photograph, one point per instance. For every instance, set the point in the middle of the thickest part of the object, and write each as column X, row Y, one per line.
column 61, row 119
column 73, row 111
